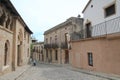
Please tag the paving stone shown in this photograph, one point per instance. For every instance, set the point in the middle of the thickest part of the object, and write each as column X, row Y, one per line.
column 50, row 72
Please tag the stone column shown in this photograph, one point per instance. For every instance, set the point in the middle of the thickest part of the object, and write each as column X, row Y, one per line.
column 14, row 59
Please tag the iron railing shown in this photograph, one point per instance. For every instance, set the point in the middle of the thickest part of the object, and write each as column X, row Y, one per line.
column 64, row 45
column 47, row 46
column 104, row 28
column 52, row 45
column 55, row 45
column 107, row 27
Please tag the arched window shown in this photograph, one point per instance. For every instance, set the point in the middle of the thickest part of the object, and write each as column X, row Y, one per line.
column 6, row 52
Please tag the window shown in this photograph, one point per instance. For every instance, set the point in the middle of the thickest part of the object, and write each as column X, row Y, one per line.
column 90, row 59
column 8, row 22
column 40, row 49
column 37, row 49
column 56, row 55
column 11, row 25
column 110, row 10
column 2, row 19
column 34, row 49
column 6, row 52
column 88, row 30
column 56, row 39
column 91, row 6
column 28, row 38
column 50, row 39
column 66, row 37
column 5, row 55
column 46, row 40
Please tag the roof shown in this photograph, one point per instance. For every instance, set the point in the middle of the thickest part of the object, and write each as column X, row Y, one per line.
column 86, row 6
column 56, row 27
column 10, row 6
column 61, row 25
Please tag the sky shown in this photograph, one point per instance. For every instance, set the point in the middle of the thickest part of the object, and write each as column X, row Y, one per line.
column 41, row 15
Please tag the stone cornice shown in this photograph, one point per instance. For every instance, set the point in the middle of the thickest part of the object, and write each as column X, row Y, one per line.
column 10, row 6
column 67, row 22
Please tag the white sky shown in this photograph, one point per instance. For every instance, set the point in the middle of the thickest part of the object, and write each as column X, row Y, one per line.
column 41, row 15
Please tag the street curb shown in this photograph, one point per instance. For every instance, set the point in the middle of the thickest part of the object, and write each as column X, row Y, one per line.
column 102, row 75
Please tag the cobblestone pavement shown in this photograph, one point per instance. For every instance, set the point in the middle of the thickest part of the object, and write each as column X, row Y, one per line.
column 55, row 72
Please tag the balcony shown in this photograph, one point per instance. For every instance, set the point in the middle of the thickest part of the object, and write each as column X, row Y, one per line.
column 51, row 46
column 64, row 45
column 54, row 45
column 108, row 27
column 46, row 46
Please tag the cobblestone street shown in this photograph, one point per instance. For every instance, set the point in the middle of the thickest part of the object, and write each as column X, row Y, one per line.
column 51, row 72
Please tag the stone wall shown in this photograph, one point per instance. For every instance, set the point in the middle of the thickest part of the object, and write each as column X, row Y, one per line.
column 5, row 35
column 60, row 36
column 14, row 43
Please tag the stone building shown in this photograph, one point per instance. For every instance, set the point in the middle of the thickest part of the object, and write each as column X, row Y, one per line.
column 14, row 38
column 99, row 48
column 56, row 40
column 38, row 51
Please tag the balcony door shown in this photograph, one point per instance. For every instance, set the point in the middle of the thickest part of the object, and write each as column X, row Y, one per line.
column 88, row 30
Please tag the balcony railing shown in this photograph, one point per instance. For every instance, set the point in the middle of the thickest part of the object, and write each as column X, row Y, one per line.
column 107, row 27
column 104, row 28
column 64, row 45
column 47, row 46
column 52, row 45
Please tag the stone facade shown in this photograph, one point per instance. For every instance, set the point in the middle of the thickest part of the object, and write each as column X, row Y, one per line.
column 99, row 49
column 57, row 40
column 14, row 38
column 38, row 51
